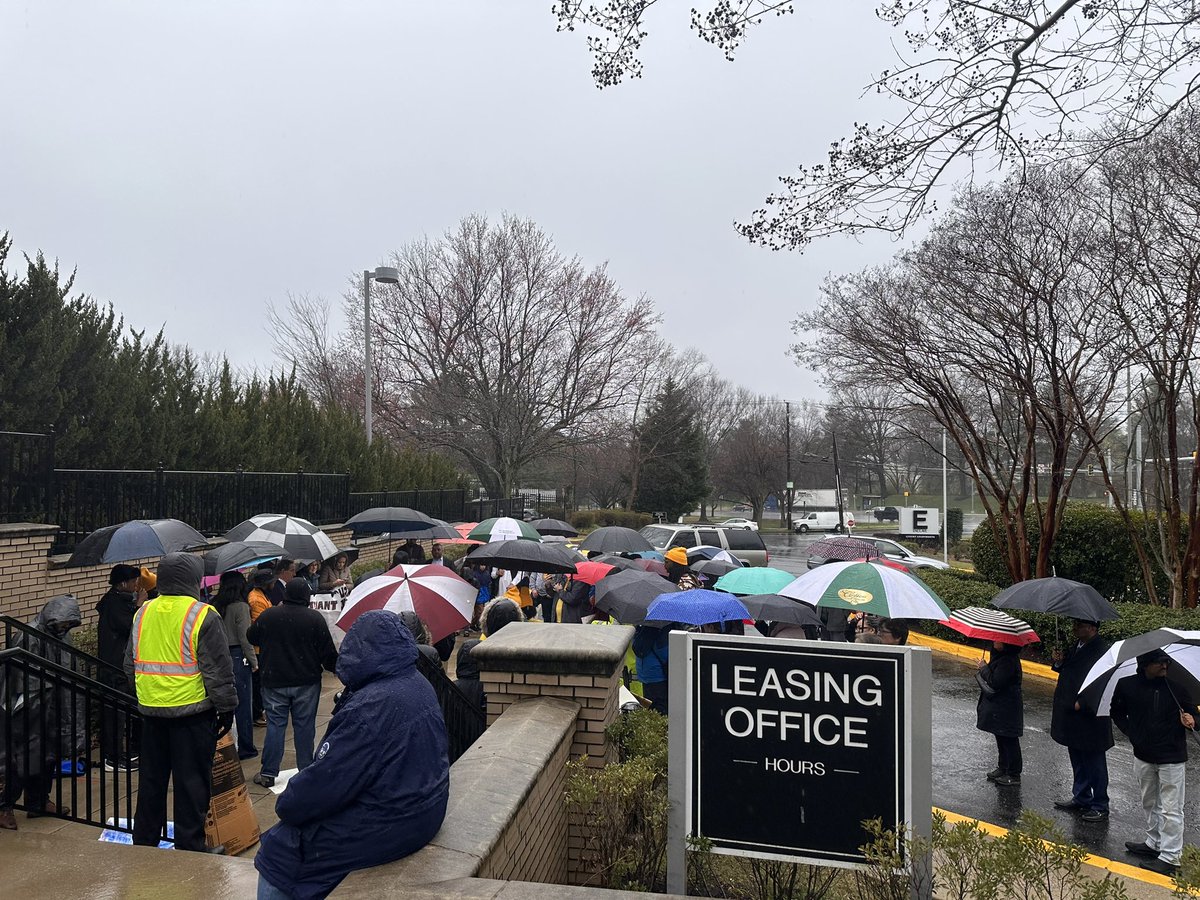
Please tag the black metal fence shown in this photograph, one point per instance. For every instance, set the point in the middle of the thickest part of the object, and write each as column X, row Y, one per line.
column 465, row 721
column 59, row 727
column 81, row 500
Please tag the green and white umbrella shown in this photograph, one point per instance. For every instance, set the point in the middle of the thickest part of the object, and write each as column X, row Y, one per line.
column 503, row 528
column 867, row 588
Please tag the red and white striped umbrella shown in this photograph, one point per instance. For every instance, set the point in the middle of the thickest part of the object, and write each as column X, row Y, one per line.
column 443, row 600
column 987, row 624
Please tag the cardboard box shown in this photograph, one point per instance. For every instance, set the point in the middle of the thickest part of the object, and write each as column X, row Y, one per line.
column 230, row 820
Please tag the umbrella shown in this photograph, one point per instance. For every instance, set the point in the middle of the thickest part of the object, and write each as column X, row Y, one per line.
column 373, row 573
column 754, row 580
column 389, row 520
column 705, row 551
column 869, row 588
column 464, row 528
column 139, row 539
column 714, row 568
column 525, row 556
column 845, row 549
column 697, row 607
column 615, row 539
column 553, row 539
column 436, row 532
column 555, row 527
column 987, row 624
column 627, row 595
column 591, row 571
column 649, row 554
column 299, row 538
column 504, row 528
column 1183, row 647
column 652, row 565
column 1059, row 596
column 623, row 563
column 773, row 608
column 239, row 555
column 443, row 600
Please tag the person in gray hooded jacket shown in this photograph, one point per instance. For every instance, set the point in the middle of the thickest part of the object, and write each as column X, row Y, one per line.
column 39, row 715
column 178, row 660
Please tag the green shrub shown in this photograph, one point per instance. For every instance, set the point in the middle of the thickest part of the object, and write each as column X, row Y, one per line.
column 86, row 638
column 585, row 519
column 954, row 525
column 1092, row 546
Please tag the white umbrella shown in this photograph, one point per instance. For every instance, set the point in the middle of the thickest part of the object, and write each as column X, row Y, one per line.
column 444, row 601
column 1120, row 661
column 299, row 538
column 869, row 588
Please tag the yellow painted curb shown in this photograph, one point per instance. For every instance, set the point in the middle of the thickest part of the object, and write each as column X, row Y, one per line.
column 1137, row 873
column 1038, row 670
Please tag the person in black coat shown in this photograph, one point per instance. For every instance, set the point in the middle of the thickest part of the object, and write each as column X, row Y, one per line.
column 1087, row 736
column 1001, row 710
column 118, row 742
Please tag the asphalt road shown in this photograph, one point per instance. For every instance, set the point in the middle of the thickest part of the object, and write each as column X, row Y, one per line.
column 963, row 755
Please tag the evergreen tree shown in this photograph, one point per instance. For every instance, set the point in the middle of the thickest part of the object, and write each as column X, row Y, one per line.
column 674, row 475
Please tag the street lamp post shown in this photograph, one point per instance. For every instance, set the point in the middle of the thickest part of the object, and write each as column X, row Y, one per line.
column 384, row 275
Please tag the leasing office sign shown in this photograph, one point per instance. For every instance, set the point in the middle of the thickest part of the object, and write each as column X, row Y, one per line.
column 790, row 746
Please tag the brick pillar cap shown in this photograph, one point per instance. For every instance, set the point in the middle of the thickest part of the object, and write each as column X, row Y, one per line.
column 554, row 649
column 26, row 529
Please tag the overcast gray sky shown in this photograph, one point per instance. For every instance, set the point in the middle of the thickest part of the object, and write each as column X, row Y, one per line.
column 196, row 161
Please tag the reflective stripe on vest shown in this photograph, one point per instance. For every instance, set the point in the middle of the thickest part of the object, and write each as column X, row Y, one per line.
column 165, row 667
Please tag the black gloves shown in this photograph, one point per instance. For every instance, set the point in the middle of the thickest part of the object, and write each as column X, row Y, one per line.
column 224, row 723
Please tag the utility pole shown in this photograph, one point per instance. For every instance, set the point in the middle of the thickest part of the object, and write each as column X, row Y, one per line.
column 787, row 462
column 945, row 506
column 837, row 481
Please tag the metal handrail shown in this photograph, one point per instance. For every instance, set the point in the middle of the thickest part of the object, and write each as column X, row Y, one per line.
column 465, row 721
column 10, row 624
column 27, row 680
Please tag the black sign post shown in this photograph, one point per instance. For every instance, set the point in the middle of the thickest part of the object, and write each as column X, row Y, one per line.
column 783, row 749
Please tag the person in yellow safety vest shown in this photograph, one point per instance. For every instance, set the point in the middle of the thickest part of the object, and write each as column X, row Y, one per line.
column 178, row 662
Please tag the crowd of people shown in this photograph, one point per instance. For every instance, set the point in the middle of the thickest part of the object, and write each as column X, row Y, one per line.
column 254, row 653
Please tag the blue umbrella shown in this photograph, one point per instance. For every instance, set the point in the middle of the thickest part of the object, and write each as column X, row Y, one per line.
column 697, row 607
column 649, row 554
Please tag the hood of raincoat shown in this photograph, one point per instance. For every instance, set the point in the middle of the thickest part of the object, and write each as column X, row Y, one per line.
column 58, row 611
column 297, row 592
column 378, row 645
column 179, row 575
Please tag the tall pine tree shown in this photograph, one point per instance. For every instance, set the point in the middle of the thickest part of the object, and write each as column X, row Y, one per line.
column 674, row 475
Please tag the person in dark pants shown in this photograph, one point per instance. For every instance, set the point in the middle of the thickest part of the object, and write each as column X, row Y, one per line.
column 1087, row 736
column 650, row 645
column 118, row 743
column 295, row 645
column 1001, row 710
column 178, row 662
column 231, row 602
column 260, row 602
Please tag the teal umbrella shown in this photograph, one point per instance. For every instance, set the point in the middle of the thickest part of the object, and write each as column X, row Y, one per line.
column 755, row 580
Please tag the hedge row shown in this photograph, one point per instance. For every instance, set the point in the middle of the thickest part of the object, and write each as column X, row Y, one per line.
column 962, row 589
column 1092, row 546
column 597, row 518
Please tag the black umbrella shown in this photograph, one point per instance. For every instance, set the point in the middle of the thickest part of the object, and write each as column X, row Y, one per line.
column 624, row 563
column 139, row 539
column 615, row 539
column 525, row 556
column 299, row 538
column 439, row 532
column 627, row 595
column 714, row 568
column 554, row 526
column 371, row 574
column 1120, row 661
column 390, row 520
column 773, row 608
column 238, row 555
column 1059, row 596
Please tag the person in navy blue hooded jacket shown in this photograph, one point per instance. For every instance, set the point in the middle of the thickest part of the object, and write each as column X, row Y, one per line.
column 378, row 787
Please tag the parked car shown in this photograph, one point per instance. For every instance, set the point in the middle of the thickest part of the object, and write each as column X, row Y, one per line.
column 822, row 521
column 886, row 514
column 741, row 543
column 892, row 550
column 744, row 524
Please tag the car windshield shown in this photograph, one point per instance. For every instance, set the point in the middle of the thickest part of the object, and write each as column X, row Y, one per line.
column 656, row 535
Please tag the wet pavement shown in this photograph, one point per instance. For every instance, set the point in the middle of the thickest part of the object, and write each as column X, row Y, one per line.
column 963, row 755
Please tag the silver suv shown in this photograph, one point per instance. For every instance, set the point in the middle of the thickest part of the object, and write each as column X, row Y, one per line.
column 745, row 545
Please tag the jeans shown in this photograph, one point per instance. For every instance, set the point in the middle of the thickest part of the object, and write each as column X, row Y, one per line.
column 1009, row 752
column 1162, row 799
column 301, row 702
column 1091, row 778
column 268, row 891
column 243, row 680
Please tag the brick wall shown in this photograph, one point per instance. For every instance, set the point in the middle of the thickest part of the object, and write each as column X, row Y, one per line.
column 29, row 576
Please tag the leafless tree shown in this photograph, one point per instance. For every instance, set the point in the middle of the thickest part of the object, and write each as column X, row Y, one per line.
column 1000, row 83
column 992, row 329
column 304, row 340
column 749, row 462
column 496, row 347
